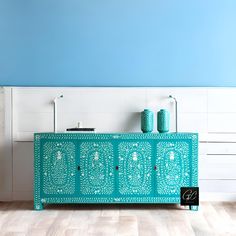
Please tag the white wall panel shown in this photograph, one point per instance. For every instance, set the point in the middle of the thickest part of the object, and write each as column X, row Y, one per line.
column 222, row 122
column 34, row 99
column 23, row 166
column 104, row 100
column 34, row 122
column 6, row 145
column 202, row 148
column 197, row 96
column 29, row 123
column 103, row 122
column 221, row 137
column 217, row 186
column 192, row 122
column 4, row 184
column 221, row 148
column 208, row 111
column 81, row 99
column 217, row 167
column 158, row 98
column 222, row 100
column 1, row 101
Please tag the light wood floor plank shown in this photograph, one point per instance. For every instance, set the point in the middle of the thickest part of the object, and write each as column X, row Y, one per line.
column 213, row 218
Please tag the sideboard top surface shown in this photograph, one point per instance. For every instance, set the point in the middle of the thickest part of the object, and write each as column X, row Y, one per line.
column 71, row 135
column 118, row 133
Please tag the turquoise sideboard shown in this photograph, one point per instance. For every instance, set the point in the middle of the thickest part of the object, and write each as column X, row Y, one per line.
column 113, row 167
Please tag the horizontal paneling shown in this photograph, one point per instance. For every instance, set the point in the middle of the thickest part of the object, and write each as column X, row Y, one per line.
column 103, row 122
column 158, row 98
column 23, row 137
column 198, row 98
column 106, row 109
column 221, row 100
column 218, row 137
column 35, row 99
column 192, row 122
column 202, row 148
column 200, row 110
column 222, row 122
column 81, row 99
column 1, row 100
column 23, row 166
column 225, row 186
column 2, row 110
column 34, row 122
column 221, row 148
column 2, row 114
column 217, row 167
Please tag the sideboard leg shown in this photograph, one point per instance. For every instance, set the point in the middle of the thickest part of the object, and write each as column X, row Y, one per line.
column 38, row 206
column 193, row 208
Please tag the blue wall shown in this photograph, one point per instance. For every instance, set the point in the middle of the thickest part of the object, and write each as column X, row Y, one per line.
column 118, row 42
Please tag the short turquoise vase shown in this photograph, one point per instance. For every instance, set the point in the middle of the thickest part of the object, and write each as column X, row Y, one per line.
column 163, row 121
column 147, row 121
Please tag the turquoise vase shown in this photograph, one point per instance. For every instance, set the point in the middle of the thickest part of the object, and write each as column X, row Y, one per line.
column 147, row 121
column 163, row 121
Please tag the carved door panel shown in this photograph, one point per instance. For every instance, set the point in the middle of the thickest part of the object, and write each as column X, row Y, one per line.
column 172, row 167
column 59, row 169
column 134, row 168
column 96, row 168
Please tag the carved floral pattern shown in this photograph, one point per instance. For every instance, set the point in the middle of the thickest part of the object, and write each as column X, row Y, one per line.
column 58, row 181
column 173, row 166
column 58, row 167
column 134, row 168
column 96, row 161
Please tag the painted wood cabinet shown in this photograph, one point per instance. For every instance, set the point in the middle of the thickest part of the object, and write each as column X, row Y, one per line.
column 113, row 168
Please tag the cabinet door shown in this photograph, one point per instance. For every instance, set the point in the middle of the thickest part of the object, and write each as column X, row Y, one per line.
column 58, row 163
column 96, row 168
column 134, row 168
column 172, row 167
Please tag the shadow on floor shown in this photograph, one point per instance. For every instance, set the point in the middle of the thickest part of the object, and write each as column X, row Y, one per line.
column 83, row 207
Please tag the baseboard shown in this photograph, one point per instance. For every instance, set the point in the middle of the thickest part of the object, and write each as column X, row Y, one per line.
column 214, row 196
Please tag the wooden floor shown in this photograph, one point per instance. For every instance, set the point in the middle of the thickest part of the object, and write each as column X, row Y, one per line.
column 143, row 220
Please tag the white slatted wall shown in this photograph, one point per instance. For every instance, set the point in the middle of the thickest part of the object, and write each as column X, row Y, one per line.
column 210, row 112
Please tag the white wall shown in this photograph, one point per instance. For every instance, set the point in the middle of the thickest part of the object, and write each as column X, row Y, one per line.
column 3, row 182
column 210, row 112
column 6, row 157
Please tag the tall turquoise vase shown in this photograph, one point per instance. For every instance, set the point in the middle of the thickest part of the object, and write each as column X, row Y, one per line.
column 147, row 121
column 163, row 121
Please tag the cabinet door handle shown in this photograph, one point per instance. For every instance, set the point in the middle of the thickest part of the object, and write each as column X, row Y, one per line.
column 78, row 167
column 117, row 167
